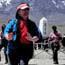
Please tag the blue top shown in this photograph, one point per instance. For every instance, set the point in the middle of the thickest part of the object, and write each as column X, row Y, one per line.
column 11, row 27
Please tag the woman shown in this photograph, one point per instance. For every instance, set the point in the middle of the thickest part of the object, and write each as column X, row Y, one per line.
column 21, row 32
column 55, row 37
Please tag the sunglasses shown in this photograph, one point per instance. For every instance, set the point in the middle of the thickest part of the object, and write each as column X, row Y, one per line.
column 26, row 9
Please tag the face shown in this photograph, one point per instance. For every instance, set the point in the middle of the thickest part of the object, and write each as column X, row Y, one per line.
column 24, row 13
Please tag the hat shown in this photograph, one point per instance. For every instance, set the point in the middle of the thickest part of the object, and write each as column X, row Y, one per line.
column 23, row 6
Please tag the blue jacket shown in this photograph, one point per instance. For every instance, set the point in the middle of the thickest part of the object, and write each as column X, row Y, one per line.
column 12, row 27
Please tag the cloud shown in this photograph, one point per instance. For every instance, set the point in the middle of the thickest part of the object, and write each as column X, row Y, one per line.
column 63, row 2
column 0, row 5
column 8, row 2
column 54, row 2
column 59, row 4
column 5, row 2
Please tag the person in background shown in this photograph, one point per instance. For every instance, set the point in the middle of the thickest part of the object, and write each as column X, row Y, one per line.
column 4, row 43
column 55, row 38
column 21, row 32
column 63, row 41
column 0, row 43
column 46, row 45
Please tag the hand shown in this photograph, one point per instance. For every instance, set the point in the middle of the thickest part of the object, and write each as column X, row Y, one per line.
column 0, row 38
column 35, row 39
column 9, row 36
column 29, row 37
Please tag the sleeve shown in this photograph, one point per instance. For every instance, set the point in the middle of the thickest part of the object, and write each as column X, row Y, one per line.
column 60, row 36
column 50, row 37
column 37, row 32
column 9, row 27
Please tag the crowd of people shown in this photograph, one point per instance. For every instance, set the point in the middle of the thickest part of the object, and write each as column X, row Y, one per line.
column 18, row 36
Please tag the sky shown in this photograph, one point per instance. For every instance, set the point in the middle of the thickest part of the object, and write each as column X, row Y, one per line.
column 59, row 3
column 8, row 7
column 54, row 10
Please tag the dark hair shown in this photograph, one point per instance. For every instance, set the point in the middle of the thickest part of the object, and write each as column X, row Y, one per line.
column 17, row 15
column 17, row 25
column 3, row 27
column 9, row 20
column 54, row 27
